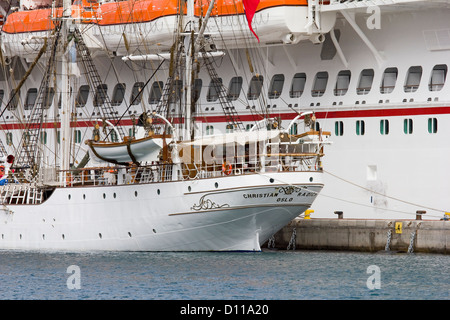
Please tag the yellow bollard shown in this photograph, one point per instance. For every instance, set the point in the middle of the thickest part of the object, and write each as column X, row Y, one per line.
column 308, row 213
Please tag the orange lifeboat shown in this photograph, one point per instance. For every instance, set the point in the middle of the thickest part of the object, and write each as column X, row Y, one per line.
column 126, row 26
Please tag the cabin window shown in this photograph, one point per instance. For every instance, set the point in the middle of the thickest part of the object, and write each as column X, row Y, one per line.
column 77, row 136
column 298, row 85
column 209, row 130
column 339, row 128
column 43, row 137
column 317, row 126
column 14, row 100
column 176, row 91
column 131, row 132
column 320, row 84
column 198, row 83
column 276, row 86
column 30, row 98
column 407, row 126
column 234, row 89
column 248, row 127
column 293, row 129
column 136, row 93
column 214, row 89
column 100, row 95
column 384, row 126
column 432, row 125
column 438, row 76
column 48, row 98
column 229, row 128
column 360, row 127
column 365, row 81
column 254, row 90
column 118, row 94
column 155, row 92
column 413, row 79
column 112, row 135
column 82, row 96
column 342, row 83
column 9, row 138
column 389, row 80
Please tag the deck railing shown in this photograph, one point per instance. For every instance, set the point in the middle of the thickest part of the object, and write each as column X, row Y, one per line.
column 119, row 175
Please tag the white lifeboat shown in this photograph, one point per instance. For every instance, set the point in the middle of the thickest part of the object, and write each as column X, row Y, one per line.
column 128, row 151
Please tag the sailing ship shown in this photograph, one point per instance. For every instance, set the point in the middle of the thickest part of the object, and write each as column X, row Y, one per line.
column 84, row 174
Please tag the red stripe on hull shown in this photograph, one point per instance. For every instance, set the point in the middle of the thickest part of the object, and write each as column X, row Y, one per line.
column 284, row 116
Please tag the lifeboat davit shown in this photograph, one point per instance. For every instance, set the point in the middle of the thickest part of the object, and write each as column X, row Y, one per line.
column 139, row 26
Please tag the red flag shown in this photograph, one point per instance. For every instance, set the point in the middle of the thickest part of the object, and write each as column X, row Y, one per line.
column 250, row 9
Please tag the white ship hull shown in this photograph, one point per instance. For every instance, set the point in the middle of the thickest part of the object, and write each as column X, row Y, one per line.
column 197, row 215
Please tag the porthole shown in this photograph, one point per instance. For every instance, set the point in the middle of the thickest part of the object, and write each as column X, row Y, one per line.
column 311, row 179
column 158, row 192
column 189, row 188
column 43, row 237
column 135, row 193
column 104, row 196
column 216, row 185
column 20, row 236
column 84, row 196
column 63, row 236
column 69, row 196
column 100, row 235
column 154, row 231
column 129, row 234
column 271, row 180
column 114, row 195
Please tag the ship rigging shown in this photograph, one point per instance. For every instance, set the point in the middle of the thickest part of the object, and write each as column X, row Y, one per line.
column 162, row 186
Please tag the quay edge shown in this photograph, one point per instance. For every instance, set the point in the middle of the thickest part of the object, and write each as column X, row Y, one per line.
column 424, row 236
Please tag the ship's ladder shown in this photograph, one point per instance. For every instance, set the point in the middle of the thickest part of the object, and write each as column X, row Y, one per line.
column 231, row 116
column 93, row 77
column 28, row 151
column 168, row 91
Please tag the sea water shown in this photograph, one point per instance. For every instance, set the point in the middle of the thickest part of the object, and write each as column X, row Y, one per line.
column 266, row 275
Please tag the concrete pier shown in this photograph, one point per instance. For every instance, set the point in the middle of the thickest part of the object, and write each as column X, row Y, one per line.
column 431, row 236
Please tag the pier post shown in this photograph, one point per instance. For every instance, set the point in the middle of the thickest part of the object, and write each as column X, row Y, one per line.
column 340, row 214
column 419, row 214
